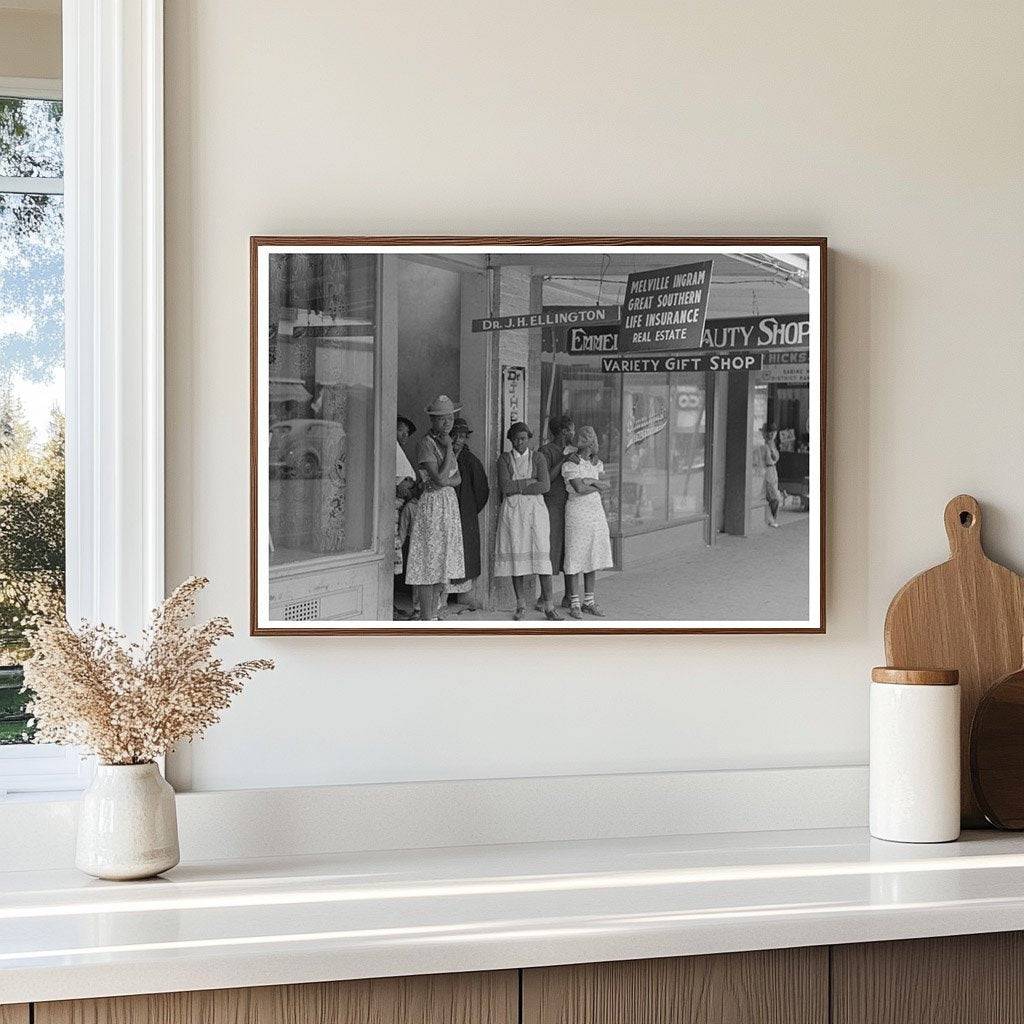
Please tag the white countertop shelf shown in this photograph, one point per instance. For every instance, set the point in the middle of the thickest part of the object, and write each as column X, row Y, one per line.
column 263, row 922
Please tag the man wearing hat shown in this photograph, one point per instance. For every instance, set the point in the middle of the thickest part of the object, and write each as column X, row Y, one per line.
column 472, row 492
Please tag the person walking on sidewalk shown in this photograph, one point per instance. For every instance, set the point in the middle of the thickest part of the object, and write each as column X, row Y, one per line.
column 772, row 493
column 588, row 545
column 523, row 544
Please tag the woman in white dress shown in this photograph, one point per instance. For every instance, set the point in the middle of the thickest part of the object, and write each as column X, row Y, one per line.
column 523, row 544
column 588, row 545
column 435, row 543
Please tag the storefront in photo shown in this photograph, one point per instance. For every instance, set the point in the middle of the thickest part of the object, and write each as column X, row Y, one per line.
column 361, row 344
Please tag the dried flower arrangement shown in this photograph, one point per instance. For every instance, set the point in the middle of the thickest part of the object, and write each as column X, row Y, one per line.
column 130, row 703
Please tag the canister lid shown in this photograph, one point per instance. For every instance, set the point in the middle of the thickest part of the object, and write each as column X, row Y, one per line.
column 916, row 676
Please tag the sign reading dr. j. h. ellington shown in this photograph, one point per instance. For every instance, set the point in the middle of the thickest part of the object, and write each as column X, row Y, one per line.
column 561, row 317
column 664, row 309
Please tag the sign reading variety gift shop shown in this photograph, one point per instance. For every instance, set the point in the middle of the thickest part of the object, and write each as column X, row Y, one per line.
column 683, row 362
column 787, row 364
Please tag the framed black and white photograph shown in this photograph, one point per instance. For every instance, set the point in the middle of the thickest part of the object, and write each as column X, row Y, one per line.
column 537, row 435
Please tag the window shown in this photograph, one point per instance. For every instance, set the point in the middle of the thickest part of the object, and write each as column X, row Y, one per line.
column 32, row 548
column 663, row 468
column 323, row 341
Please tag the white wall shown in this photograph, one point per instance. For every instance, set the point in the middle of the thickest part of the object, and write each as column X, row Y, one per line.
column 895, row 129
column 30, row 39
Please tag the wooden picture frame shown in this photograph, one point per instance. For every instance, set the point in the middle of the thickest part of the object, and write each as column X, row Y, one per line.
column 370, row 361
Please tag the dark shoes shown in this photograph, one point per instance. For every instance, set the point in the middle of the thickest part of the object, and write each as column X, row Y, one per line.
column 592, row 609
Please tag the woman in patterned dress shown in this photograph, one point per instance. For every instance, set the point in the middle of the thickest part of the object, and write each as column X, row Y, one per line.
column 523, row 545
column 435, row 544
column 772, row 493
column 588, row 546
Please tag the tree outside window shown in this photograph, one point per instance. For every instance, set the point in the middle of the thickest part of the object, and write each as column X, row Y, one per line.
column 31, row 387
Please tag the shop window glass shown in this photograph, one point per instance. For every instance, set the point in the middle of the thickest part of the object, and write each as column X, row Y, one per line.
column 323, row 351
column 592, row 398
column 687, row 427
column 645, row 449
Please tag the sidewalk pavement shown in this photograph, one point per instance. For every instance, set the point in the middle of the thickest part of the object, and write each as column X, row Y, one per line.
column 740, row 578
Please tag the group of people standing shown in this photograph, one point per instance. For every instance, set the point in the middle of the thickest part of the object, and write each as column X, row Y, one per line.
column 551, row 521
column 437, row 506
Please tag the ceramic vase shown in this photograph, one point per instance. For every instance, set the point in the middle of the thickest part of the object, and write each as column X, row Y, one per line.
column 127, row 825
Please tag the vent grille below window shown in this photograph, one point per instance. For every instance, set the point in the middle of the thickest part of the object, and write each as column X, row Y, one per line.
column 299, row 611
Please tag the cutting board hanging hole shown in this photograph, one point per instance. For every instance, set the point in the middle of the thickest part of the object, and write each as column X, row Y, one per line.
column 963, row 526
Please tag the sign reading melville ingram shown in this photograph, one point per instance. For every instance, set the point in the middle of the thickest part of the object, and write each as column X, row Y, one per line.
column 550, row 318
column 664, row 309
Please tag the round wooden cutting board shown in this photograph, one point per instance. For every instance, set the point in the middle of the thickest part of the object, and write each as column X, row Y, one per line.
column 997, row 752
column 967, row 614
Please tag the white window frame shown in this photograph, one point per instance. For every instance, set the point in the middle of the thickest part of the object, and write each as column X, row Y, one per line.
column 114, row 325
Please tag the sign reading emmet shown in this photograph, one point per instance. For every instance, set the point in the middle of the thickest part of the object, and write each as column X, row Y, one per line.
column 664, row 309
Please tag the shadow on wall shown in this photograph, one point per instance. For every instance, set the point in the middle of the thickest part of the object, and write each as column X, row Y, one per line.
column 854, row 288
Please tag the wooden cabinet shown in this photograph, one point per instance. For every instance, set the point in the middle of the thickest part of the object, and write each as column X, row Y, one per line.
column 970, row 979
column 962, row 979
column 777, row 986
column 490, row 998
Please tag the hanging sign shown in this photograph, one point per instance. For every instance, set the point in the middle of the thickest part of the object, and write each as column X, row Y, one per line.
column 747, row 332
column 798, row 357
column 513, row 398
column 683, row 362
column 795, row 375
column 790, row 366
column 564, row 316
column 792, row 331
column 664, row 309
column 588, row 341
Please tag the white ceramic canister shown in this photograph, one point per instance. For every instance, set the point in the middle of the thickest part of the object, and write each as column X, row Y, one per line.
column 127, row 824
column 915, row 755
